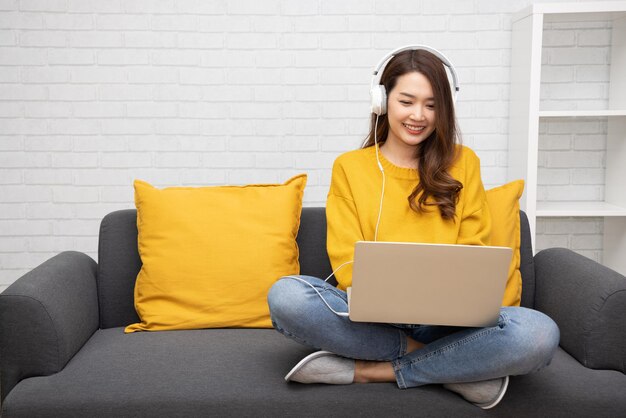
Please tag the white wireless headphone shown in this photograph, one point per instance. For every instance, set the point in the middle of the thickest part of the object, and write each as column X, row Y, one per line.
column 378, row 93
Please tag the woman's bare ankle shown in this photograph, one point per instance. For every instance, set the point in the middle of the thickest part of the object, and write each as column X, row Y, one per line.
column 412, row 345
column 380, row 371
column 373, row 371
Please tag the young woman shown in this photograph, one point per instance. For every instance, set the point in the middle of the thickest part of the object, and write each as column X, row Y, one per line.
column 433, row 193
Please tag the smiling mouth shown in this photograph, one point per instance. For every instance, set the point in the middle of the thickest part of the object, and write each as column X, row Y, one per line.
column 414, row 129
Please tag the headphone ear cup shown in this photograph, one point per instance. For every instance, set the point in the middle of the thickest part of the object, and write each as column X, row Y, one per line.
column 378, row 96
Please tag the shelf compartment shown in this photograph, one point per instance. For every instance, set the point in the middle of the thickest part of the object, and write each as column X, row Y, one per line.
column 579, row 209
column 578, row 12
column 581, row 113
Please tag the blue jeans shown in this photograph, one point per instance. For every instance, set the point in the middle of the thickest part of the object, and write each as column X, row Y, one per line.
column 521, row 342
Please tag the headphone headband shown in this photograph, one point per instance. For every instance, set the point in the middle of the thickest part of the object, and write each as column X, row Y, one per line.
column 378, row 70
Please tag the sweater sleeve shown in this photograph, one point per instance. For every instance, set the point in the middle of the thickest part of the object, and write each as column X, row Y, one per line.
column 343, row 228
column 475, row 218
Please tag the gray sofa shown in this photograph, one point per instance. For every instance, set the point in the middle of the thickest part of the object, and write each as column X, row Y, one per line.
column 63, row 351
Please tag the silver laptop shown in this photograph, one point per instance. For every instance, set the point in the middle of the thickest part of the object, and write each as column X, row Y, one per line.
column 429, row 284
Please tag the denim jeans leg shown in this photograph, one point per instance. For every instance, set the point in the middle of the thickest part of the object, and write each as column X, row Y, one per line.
column 299, row 313
column 523, row 341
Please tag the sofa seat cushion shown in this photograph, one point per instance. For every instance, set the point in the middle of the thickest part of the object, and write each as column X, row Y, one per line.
column 239, row 372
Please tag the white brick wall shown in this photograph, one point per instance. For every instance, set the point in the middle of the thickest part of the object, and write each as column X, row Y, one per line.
column 583, row 235
column 95, row 94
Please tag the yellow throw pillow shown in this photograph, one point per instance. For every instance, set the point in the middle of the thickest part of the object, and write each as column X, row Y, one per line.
column 503, row 204
column 211, row 254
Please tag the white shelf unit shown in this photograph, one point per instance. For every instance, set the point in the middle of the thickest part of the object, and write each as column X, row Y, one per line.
column 526, row 113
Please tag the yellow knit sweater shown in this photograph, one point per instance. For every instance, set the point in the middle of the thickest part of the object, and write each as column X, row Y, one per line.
column 354, row 199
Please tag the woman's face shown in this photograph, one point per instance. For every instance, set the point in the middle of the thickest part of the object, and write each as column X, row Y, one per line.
column 410, row 111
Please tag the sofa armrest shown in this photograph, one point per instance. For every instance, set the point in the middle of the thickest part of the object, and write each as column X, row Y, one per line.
column 588, row 302
column 46, row 316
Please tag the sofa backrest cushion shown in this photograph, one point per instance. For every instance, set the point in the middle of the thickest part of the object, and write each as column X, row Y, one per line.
column 119, row 262
column 527, row 265
column 118, row 266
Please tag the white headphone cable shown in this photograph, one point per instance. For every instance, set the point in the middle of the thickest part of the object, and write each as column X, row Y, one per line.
column 382, row 192
column 317, row 291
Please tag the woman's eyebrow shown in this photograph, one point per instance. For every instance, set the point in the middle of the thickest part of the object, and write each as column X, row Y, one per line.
column 413, row 97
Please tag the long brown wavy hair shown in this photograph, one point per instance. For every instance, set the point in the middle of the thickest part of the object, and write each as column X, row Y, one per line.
column 436, row 154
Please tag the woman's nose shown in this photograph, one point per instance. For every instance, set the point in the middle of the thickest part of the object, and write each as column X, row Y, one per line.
column 417, row 113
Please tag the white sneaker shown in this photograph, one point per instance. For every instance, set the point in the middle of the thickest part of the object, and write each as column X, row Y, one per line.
column 323, row 367
column 484, row 394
